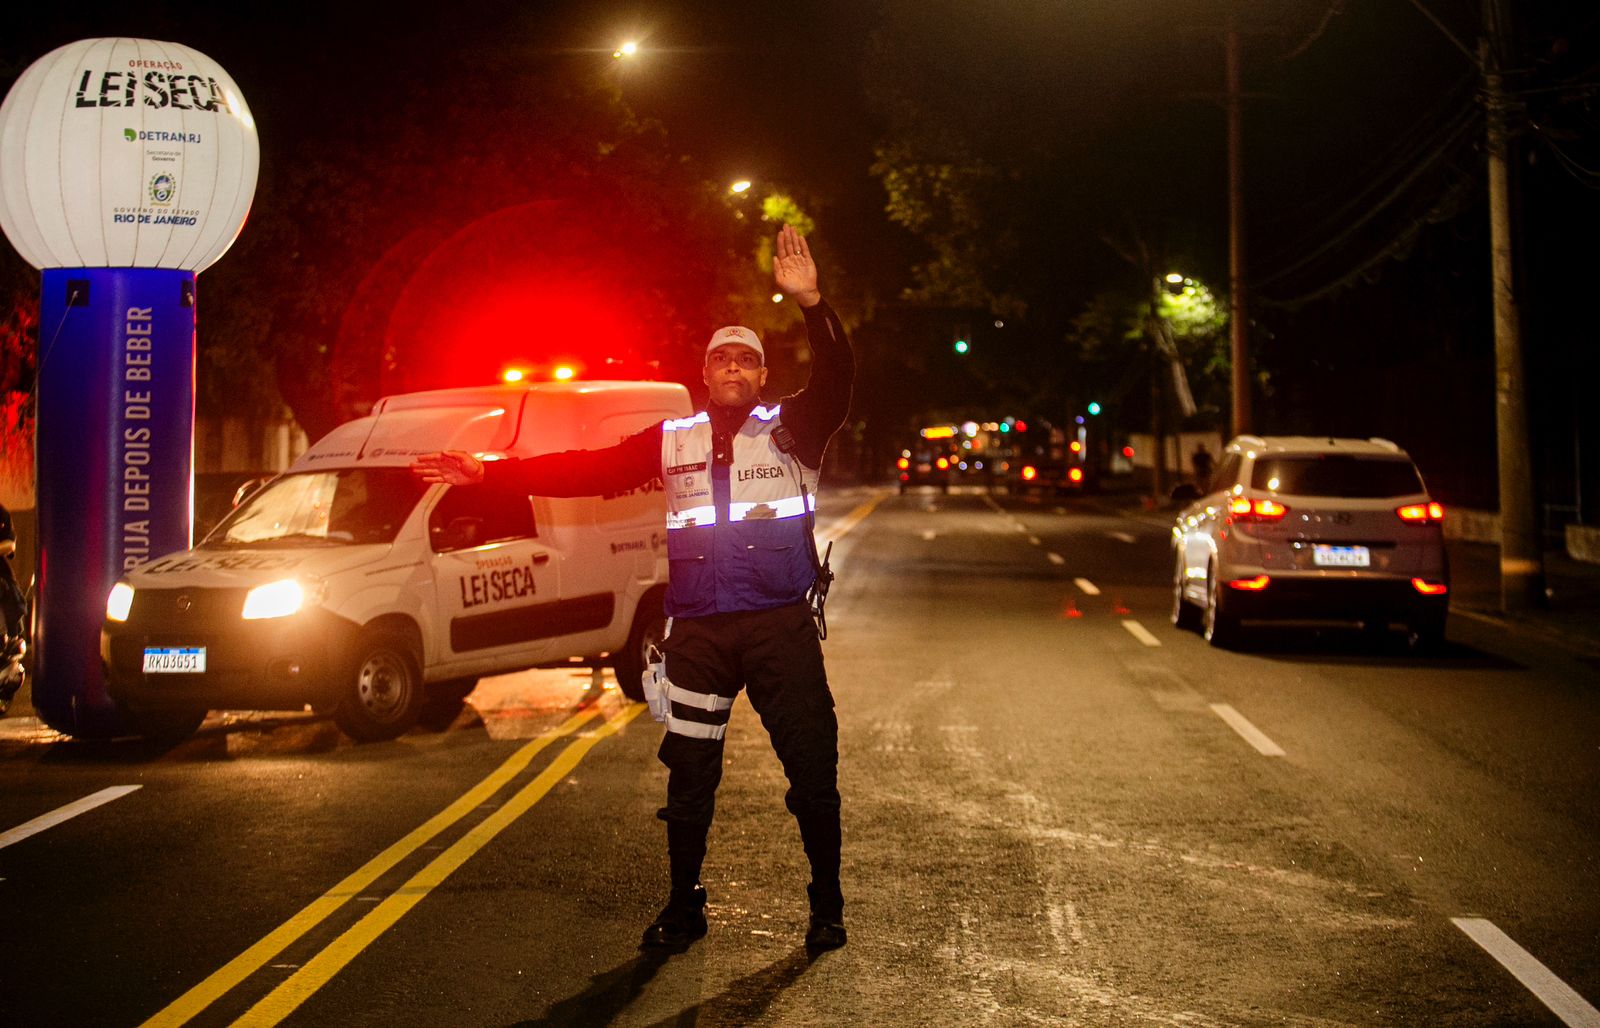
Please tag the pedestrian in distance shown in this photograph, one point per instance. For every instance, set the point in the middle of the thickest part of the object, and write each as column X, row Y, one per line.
column 1201, row 459
column 741, row 479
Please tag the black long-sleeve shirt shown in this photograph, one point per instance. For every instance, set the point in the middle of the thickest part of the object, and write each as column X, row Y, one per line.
column 813, row 414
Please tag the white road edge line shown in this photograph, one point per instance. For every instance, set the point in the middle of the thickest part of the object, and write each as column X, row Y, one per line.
column 1140, row 632
column 1554, row 993
column 66, row 813
column 1088, row 587
column 1250, row 733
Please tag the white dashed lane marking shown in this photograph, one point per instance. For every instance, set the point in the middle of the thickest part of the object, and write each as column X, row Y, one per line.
column 1056, row 559
column 1554, row 993
column 929, row 535
column 1088, row 587
column 66, row 813
column 1140, row 632
column 1122, row 537
column 1250, row 733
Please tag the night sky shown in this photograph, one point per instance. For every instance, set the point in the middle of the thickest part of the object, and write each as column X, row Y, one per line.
column 1112, row 102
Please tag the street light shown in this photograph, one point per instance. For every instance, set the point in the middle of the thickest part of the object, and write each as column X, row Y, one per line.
column 740, row 186
column 628, row 49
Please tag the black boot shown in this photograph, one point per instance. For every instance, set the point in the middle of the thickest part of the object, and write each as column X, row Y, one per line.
column 680, row 922
column 827, row 917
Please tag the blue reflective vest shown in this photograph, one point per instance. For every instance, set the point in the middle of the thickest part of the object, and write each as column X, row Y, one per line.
column 736, row 533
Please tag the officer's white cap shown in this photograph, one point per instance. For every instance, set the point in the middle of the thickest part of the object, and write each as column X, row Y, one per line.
column 735, row 335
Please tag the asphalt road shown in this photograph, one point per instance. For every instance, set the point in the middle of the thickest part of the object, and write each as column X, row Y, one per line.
column 1058, row 810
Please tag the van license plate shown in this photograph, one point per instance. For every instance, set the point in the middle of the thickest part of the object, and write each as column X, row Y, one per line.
column 174, row 660
column 1341, row 556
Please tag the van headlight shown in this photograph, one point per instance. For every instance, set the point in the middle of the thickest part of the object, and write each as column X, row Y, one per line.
column 119, row 602
column 274, row 600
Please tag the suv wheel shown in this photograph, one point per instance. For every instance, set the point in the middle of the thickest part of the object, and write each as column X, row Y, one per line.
column 382, row 695
column 649, row 628
column 1221, row 627
column 1184, row 614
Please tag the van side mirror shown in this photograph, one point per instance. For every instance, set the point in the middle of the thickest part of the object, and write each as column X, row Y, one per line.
column 1185, row 493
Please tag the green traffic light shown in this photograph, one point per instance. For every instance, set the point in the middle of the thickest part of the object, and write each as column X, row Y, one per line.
column 1094, row 408
column 961, row 346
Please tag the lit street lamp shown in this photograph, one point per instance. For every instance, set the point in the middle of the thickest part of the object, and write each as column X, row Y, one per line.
column 628, row 49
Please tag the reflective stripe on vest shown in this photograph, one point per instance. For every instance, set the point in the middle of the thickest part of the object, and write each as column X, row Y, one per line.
column 692, row 517
column 789, row 507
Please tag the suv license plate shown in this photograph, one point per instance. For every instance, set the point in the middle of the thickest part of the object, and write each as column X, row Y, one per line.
column 174, row 660
column 1341, row 556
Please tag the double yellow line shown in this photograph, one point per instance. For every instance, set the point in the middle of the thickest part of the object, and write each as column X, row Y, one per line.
column 299, row 987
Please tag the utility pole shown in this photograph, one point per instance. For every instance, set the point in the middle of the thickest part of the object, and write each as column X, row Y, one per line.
column 1521, row 548
column 1238, row 319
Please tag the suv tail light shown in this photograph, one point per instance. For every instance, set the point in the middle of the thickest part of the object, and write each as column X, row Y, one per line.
column 1428, row 588
column 1422, row 513
column 1253, row 585
column 1264, row 509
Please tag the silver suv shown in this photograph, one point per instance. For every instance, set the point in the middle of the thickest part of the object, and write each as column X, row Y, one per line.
column 1304, row 528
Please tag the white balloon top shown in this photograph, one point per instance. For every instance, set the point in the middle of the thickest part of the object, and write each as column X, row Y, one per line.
column 125, row 153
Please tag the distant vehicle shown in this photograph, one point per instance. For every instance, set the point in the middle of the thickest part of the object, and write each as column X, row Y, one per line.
column 1302, row 528
column 923, row 468
column 1060, row 481
column 347, row 584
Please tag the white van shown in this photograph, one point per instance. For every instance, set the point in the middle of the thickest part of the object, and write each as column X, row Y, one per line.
column 347, row 584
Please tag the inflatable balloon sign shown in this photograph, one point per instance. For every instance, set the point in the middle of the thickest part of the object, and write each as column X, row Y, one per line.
column 126, row 167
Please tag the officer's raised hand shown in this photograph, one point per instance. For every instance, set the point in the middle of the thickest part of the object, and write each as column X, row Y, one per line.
column 451, row 467
column 793, row 269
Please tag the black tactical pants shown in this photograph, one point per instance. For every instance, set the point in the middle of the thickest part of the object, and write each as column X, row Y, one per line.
column 776, row 655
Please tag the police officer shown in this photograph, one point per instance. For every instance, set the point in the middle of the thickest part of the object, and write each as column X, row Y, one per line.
column 740, row 478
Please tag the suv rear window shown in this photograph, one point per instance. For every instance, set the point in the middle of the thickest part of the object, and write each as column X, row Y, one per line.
column 1337, row 474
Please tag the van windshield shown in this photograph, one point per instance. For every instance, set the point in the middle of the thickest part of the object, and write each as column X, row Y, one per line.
column 347, row 507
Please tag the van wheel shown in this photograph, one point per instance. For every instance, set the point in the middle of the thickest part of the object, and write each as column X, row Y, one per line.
column 1221, row 626
column 442, row 702
column 382, row 695
column 1185, row 615
column 649, row 628
column 167, row 725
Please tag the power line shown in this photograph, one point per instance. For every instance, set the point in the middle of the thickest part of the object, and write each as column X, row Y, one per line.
column 1454, row 137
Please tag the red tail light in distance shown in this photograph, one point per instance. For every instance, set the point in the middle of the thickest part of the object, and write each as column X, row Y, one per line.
column 1264, row 509
column 1422, row 513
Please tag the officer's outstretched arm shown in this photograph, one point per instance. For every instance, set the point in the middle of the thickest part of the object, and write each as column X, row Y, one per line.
column 451, row 467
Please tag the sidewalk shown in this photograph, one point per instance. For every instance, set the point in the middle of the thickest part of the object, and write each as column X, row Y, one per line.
column 1572, row 618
